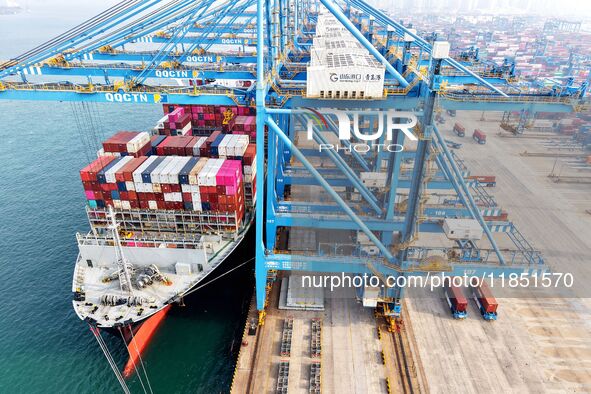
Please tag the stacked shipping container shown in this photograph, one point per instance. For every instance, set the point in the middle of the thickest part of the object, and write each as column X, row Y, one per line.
column 126, row 143
column 206, row 118
column 214, row 173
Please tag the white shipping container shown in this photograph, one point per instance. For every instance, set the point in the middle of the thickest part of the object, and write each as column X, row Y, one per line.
column 130, row 186
column 138, row 142
column 211, row 176
column 125, row 204
column 159, row 175
column 198, row 145
column 110, row 173
column 160, row 123
column 173, row 175
column 346, row 76
column 152, row 204
column 155, row 175
column 194, row 173
column 223, row 146
column 185, row 130
column 137, row 174
column 202, row 175
column 241, row 144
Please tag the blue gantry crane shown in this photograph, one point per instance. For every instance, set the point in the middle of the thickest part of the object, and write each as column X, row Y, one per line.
column 363, row 209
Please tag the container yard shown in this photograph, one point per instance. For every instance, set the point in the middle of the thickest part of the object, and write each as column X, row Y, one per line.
column 407, row 190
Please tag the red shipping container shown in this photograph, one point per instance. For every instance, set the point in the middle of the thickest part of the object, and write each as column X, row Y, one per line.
column 479, row 135
column 176, row 145
column 456, row 297
column 249, row 155
column 486, row 299
column 89, row 172
column 124, row 174
column 190, row 145
column 118, row 142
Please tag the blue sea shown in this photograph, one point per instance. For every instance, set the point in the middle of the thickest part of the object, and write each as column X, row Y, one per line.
column 44, row 347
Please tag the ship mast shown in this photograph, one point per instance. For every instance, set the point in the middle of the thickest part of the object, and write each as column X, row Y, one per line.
column 122, row 264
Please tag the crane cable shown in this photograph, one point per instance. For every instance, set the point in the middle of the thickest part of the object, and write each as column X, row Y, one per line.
column 73, row 32
column 133, row 360
column 84, row 139
column 95, row 331
column 214, row 279
column 141, row 361
column 86, row 128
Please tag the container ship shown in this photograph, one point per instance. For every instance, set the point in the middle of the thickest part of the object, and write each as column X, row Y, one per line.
column 166, row 207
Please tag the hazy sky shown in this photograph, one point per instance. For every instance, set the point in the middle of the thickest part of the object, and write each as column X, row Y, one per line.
column 575, row 7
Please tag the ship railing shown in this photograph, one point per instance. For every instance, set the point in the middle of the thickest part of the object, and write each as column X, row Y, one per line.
column 166, row 221
column 167, row 240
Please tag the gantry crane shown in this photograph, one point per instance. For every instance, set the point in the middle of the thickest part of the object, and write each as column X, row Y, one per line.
column 184, row 52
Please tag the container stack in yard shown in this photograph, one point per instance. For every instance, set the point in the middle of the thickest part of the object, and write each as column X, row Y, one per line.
column 182, row 172
column 534, row 51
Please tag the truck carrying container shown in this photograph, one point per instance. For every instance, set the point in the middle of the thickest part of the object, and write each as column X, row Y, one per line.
column 459, row 129
column 456, row 301
column 486, row 302
column 486, row 180
column 479, row 136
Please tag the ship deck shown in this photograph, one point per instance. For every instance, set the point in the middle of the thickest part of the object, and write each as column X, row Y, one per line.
column 156, row 295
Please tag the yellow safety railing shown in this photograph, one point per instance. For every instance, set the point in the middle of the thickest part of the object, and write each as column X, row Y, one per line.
column 496, row 98
column 110, row 88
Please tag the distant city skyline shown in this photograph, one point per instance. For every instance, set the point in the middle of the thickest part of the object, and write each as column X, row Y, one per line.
column 578, row 9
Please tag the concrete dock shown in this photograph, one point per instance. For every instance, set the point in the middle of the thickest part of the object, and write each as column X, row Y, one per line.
column 537, row 344
column 351, row 357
